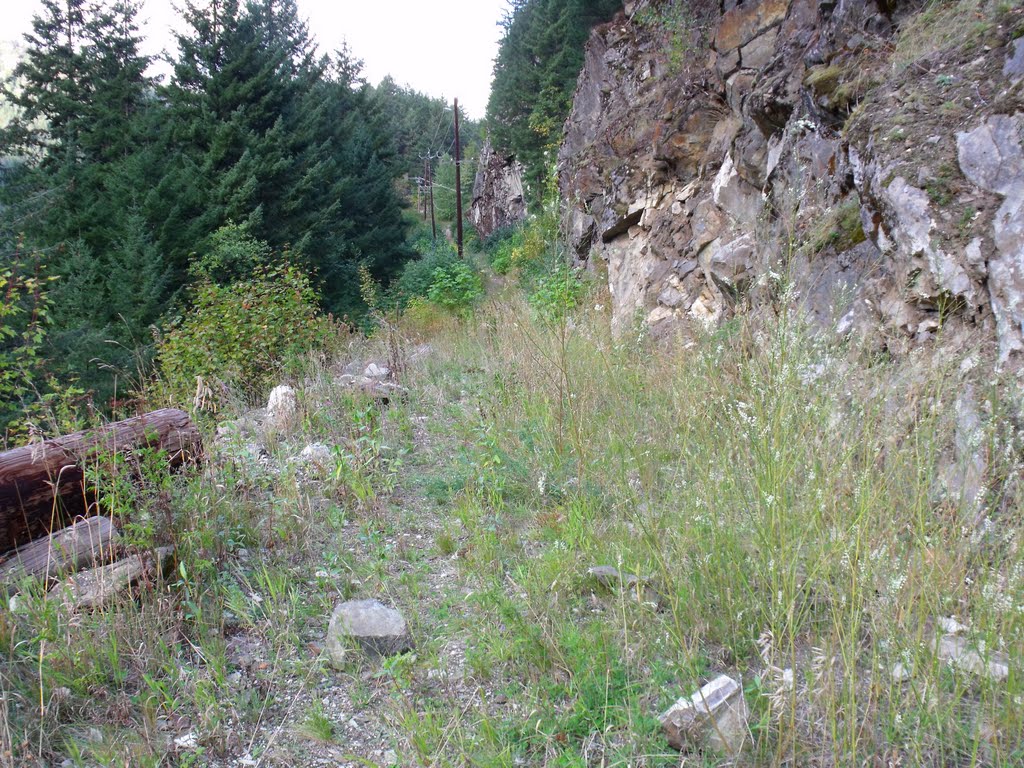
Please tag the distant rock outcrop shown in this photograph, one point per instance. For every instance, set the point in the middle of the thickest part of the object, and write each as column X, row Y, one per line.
column 719, row 152
column 497, row 192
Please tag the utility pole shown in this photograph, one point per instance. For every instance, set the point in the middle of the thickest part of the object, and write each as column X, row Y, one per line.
column 430, row 184
column 423, row 191
column 458, row 179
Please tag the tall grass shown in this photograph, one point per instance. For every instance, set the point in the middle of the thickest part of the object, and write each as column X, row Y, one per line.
column 785, row 495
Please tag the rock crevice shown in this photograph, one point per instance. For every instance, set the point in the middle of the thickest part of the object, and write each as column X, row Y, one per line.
column 707, row 159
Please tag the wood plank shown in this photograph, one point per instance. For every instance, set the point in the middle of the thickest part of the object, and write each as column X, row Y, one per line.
column 96, row 587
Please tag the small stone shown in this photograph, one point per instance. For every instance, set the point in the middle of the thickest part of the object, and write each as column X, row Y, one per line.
column 377, row 629
column 390, row 757
column 950, row 626
column 610, row 578
column 188, row 741
column 715, row 716
column 282, row 407
column 901, row 673
column 958, row 653
column 374, row 371
column 318, row 454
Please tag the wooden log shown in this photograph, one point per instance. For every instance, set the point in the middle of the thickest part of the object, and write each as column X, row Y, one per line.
column 43, row 486
column 84, row 544
column 96, row 587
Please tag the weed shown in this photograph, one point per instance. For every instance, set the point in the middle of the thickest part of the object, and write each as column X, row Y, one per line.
column 317, row 725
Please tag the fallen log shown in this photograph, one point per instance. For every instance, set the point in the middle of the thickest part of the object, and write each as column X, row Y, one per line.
column 43, row 486
column 82, row 545
column 96, row 587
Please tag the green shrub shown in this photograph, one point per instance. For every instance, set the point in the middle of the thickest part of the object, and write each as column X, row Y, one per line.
column 24, row 311
column 557, row 293
column 455, row 287
column 243, row 334
column 233, row 254
column 418, row 275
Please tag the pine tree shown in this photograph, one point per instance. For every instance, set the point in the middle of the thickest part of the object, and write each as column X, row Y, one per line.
column 535, row 72
column 83, row 105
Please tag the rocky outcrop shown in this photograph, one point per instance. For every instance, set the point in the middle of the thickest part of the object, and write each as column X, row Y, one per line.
column 497, row 192
column 732, row 157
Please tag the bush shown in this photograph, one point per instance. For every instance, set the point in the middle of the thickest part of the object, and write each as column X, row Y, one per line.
column 243, row 334
column 556, row 294
column 455, row 287
column 418, row 275
column 233, row 254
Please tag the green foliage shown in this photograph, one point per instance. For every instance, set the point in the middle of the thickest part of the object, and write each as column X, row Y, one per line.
column 455, row 287
column 539, row 59
column 556, row 294
column 421, row 125
column 242, row 334
column 24, row 311
column 121, row 181
column 234, row 254
column 418, row 275
column 444, row 184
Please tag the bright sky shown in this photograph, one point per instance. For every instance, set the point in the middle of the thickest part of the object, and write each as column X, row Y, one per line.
column 440, row 48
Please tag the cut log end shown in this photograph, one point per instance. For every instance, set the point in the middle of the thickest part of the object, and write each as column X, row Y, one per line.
column 82, row 545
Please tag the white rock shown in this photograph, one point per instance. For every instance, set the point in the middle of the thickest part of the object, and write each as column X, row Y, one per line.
column 188, row 741
column 282, row 407
column 377, row 629
column 318, row 454
column 950, row 626
column 901, row 673
column 958, row 652
column 716, row 716
column 375, row 371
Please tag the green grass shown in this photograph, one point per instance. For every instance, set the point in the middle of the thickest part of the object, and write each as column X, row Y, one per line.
column 782, row 491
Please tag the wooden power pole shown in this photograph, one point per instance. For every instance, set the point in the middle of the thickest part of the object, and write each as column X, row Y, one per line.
column 430, row 184
column 423, row 191
column 458, row 180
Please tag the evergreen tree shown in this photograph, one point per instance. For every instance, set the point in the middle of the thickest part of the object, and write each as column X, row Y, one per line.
column 83, row 106
column 535, row 71
column 267, row 135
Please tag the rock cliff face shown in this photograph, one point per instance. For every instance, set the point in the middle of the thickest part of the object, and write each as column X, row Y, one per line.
column 497, row 192
column 872, row 160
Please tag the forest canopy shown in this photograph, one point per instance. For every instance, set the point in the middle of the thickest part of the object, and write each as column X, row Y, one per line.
column 114, row 185
column 539, row 59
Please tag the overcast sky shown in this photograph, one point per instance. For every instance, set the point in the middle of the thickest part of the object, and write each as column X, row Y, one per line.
column 441, row 47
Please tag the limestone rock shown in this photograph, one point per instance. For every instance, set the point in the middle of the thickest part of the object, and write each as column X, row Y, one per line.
column 715, row 716
column 498, row 199
column 282, row 408
column 318, row 455
column 369, row 624
column 958, row 652
column 992, row 157
column 375, row 371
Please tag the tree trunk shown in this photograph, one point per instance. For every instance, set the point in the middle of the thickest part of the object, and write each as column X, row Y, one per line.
column 84, row 544
column 97, row 587
column 43, row 487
